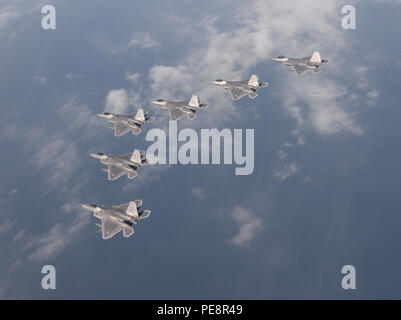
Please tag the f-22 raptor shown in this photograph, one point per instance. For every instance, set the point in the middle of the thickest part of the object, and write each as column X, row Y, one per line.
column 119, row 165
column 239, row 89
column 180, row 109
column 125, row 123
column 117, row 218
column 303, row 65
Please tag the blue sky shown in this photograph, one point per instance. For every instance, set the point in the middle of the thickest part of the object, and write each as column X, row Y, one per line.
column 325, row 190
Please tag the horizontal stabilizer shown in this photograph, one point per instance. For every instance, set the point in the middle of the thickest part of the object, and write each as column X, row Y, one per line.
column 136, row 130
column 203, row 105
column 128, row 231
column 144, row 214
column 191, row 116
column 151, row 119
column 132, row 174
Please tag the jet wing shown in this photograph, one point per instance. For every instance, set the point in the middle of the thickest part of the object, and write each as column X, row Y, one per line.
column 237, row 93
column 110, row 228
column 176, row 114
column 121, row 128
column 132, row 174
column 115, row 172
column 300, row 70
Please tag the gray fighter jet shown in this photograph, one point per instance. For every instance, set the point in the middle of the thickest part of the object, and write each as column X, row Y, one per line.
column 124, row 123
column 239, row 89
column 303, row 65
column 119, row 165
column 117, row 218
column 180, row 109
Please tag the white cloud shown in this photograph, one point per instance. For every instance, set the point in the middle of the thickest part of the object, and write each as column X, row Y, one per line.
column 326, row 102
column 264, row 29
column 40, row 79
column 51, row 243
column 7, row 14
column 372, row 97
column 72, row 76
column 58, row 157
column 13, row 192
column 143, row 40
column 132, row 77
column 19, row 235
column 147, row 175
column 117, row 101
column 249, row 226
column 6, row 226
column 287, row 171
column 81, row 117
column 199, row 193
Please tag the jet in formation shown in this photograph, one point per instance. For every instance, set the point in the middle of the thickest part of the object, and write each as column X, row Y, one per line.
column 125, row 123
column 303, row 65
column 180, row 109
column 119, row 165
column 117, row 218
column 239, row 89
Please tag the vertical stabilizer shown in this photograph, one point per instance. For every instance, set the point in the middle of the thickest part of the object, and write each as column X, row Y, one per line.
column 136, row 156
column 316, row 57
column 194, row 102
column 140, row 115
column 254, row 81
column 132, row 210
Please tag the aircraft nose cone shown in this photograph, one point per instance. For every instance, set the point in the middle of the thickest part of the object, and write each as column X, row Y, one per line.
column 86, row 206
column 97, row 155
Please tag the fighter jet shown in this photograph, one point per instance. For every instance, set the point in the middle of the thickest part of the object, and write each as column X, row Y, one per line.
column 119, row 165
column 180, row 109
column 303, row 65
column 239, row 89
column 124, row 123
column 117, row 218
